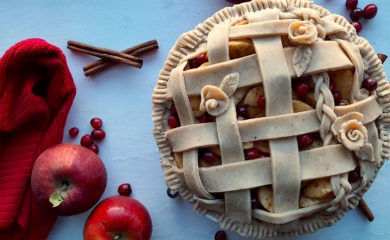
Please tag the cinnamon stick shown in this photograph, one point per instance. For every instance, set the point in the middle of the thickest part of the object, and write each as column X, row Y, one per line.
column 135, row 51
column 103, row 51
column 366, row 210
column 382, row 57
column 108, row 57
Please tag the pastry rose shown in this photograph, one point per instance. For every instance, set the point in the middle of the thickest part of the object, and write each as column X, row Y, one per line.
column 215, row 100
column 302, row 32
column 350, row 130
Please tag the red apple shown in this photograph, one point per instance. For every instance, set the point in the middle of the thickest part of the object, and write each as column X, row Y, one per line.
column 68, row 179
column 119, row 218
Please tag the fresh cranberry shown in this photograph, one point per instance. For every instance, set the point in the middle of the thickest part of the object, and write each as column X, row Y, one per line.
column 370, row 11
column 357, row 25
column 332, row 86
column 124, row 189
column 251, row 153
column 255, row 203
column 193, row 63
column 263, row 155
column 354, row 175
column 301, row 89
column 342, row 103
column 261, row 101
column 382, row 57
column 173, row 121
column 305, row 140
column 370, row 84
column 210, row 157
column 211, row 118
column 351, row 4
column 202, row 58
column 86, row 140
column 173, row 110
column 96, row 123
column 205, row 118
column 98, row 134
column 356, row 14
column 243, row 112
column 196, row 62
column 240, row 118
column 73, row 132
column 337, row 97
column 220, row 235
column 172, row 195
column 94, row 148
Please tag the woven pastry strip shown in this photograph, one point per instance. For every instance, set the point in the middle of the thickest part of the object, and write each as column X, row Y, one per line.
column 227, row 130
column 326, row 56
column 205, row 135
column 285, row 168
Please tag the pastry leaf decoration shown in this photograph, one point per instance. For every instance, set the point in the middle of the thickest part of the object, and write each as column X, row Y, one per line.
column 301, row 59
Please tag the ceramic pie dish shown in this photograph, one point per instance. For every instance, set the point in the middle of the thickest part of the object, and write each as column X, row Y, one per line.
column 264, row 119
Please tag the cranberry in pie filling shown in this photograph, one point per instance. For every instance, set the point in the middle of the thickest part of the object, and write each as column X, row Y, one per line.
column 265, row 121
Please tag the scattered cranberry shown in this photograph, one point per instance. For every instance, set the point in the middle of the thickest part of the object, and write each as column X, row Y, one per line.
column 173, row 121
column 354, row 175
column 370, row 11
column 370, row 84
column 172, row 195
column 73, row 132
column 124, row 189
column 351, row 4
column 96, row 123
column 86, row 140
column 337, row 97
column 243, row 112
column 196, row 62
column 220, row 235
column 305, row 140
column 261, row 101
column 94, row 148
column 301, row 89
column 358, row 26
column 332, row 86
column 251, row 153
column 98, row 134
column 356, row 14
column 173, row 110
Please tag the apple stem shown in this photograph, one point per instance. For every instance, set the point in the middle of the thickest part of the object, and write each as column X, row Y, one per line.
column 56, row 199
column 117, row 236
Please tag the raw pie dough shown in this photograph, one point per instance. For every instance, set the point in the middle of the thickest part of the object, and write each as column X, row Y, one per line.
column 260, row 48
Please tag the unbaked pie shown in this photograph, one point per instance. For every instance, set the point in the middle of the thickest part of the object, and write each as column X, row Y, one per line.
column 271, row 117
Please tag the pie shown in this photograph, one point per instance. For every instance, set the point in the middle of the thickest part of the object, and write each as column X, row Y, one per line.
column 271, row 117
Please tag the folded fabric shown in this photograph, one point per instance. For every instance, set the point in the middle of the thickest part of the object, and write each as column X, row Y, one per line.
column 36, row 93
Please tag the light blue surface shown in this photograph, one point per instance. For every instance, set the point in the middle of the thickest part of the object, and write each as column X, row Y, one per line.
column 121, row 96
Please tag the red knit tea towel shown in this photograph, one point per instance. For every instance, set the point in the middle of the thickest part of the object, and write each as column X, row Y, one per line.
column 36, row 93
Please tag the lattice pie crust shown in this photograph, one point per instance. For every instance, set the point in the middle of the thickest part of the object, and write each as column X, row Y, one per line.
column 261, row 48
